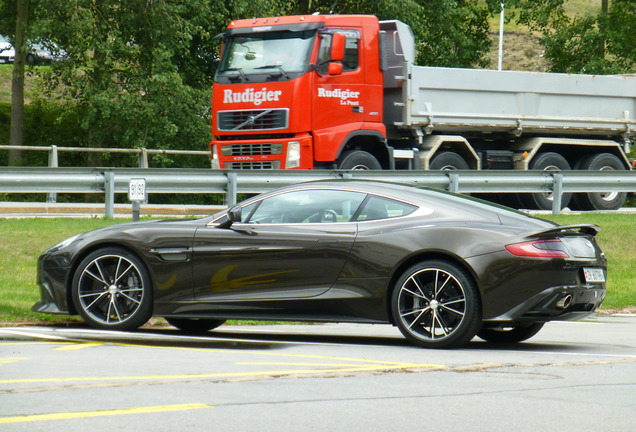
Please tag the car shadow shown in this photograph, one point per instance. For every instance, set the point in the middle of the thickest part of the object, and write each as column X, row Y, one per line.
column 262, row 339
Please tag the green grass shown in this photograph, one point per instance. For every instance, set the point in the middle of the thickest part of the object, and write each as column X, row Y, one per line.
column 24, row 240
column 617, row 239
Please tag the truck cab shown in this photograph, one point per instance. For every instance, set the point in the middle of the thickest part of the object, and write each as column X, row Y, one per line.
column 298, row 92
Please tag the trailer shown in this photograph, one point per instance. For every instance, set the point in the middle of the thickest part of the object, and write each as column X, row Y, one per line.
column 343, row 92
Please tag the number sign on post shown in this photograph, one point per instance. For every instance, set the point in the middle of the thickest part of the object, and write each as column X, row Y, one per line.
column 137, row 195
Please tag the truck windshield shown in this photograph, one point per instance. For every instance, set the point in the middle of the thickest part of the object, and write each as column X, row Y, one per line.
column 276, row 53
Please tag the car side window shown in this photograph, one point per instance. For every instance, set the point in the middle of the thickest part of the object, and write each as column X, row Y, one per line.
column 383, row 208
column 308, row 206
column 247, row 211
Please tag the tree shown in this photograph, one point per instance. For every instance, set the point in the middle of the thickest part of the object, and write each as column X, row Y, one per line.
column 15, row 15
column 600, row 43
column 450, row 33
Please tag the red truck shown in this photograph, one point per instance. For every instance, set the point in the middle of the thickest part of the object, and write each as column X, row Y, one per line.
column 342, row 92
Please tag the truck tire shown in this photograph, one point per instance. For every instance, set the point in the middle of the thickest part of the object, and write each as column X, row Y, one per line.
column 547, row 161
column 448, row 160
column 358, row 160
column 600, row 200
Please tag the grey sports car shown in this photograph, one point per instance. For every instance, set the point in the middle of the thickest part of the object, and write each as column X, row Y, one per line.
column 441, row 267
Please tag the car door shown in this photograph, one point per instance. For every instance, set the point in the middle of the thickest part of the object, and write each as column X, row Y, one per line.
column 291, row 245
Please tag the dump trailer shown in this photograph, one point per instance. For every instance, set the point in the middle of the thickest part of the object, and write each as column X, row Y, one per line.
column 343, row 92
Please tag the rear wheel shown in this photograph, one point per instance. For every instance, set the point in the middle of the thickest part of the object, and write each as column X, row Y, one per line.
column 448, row 160
column 194, row 325
column 435, row 304
column 600, row 200
column 111, row 289
column 509, row 335
column 548, row 161
column 358, row 160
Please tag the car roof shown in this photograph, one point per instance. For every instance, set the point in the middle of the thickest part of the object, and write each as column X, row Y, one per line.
column 442, row 201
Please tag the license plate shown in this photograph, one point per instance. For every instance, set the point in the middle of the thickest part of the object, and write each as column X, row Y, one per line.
column 594, row 275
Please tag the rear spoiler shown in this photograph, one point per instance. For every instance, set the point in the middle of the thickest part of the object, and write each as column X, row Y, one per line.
column 582, row 228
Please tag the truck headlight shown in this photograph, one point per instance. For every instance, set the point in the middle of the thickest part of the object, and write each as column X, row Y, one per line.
column 293, row 154
column 215, row 158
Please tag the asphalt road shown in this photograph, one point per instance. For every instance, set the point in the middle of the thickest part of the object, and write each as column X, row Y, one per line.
column 577, row 376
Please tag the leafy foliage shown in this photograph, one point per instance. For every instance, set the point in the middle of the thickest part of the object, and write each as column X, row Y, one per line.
column 450, row 33
column 601, row 43
column 139, row 73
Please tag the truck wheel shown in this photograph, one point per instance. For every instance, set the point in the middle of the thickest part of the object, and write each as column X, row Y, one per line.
column 448, row 160
column 548, row 161
column 600, row 200
column 358, row 160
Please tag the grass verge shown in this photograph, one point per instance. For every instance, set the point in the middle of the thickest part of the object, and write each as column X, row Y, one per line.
column 24, row 239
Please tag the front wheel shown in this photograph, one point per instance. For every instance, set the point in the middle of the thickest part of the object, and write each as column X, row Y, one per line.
column 112, row 290
column 358, row 160
column 435, row 304
column 509, row 335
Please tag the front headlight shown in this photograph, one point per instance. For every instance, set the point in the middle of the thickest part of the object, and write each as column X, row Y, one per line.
column 63, row 243
column 293, row 154
column 215, row 158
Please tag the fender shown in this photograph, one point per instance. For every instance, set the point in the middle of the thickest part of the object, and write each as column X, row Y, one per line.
column 330, row 143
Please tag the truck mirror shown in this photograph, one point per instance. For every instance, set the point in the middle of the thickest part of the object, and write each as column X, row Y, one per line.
column 335, row 68
column 337, row 47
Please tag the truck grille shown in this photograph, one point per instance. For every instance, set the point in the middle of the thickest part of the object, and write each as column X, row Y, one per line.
column 253, row 119
column 252, row 149
column 265, row 165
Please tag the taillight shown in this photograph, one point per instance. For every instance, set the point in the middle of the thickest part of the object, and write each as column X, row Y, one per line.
column 552, row 248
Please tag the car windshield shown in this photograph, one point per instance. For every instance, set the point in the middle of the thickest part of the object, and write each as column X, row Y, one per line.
column 272, row 52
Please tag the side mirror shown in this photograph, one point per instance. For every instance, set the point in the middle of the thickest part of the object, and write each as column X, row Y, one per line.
column 234, row 214
column 334, row 68
column 337, row 47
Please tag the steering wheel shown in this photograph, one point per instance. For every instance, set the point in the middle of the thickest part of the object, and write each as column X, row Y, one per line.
column 329, row 216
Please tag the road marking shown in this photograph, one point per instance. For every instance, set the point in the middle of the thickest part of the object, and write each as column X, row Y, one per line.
column 8, row 360
column 79, row 346
column 101, row 413
column 273, row 372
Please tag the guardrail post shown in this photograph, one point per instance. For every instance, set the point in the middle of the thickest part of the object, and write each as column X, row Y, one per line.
column 143, row 158
column 232, row 187
column 109, row 194
column 453, row 185
column 51, row 197
column 557, row 193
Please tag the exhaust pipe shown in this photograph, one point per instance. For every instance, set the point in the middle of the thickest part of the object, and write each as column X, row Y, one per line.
column 565, row 302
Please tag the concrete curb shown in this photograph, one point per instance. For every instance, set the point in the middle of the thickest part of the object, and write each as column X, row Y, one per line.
column 25, row 210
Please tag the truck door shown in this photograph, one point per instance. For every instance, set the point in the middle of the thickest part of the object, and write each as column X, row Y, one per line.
column 338, row 101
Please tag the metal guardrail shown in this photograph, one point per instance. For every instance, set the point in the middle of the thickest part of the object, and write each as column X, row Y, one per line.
column 230, row 183
column 142, row 153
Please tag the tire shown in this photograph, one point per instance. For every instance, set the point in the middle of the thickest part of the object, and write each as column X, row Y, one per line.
column 435, row 304
column 194, row 325
column 548, row 161
column 358, row 160
column 111, row 289
column 448, row 160
column 509, row 335
column 600, row 200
